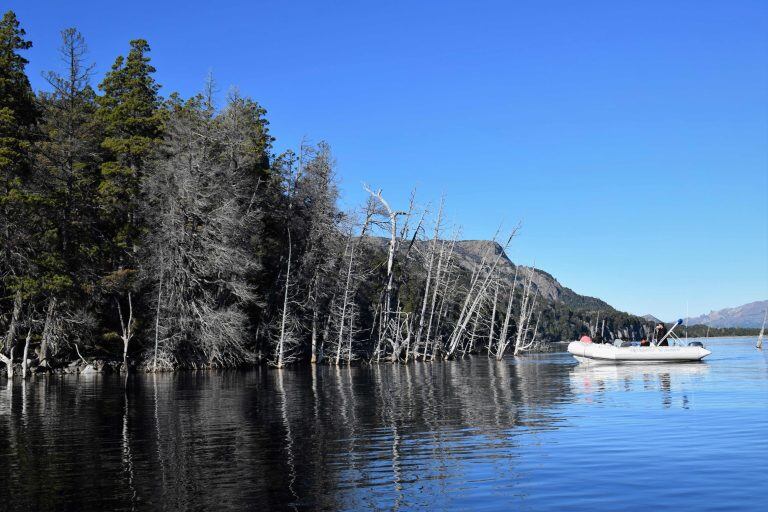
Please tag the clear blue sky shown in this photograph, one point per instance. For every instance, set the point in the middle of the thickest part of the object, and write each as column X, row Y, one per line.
column 631, row 138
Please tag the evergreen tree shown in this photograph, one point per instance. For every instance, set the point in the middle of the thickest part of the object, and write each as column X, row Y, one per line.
column 18, row 117
column 67, row 158
column 130, row 114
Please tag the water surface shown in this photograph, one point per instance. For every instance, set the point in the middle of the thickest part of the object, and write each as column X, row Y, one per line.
column 531, row 433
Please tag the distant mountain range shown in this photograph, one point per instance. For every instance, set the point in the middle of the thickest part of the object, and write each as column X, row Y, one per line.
column 749, row 315
column 567, row 313
column 469, row 253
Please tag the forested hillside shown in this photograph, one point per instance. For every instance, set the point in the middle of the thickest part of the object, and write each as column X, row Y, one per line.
column 166, row 233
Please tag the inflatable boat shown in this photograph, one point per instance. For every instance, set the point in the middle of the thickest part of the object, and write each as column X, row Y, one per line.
column 593, row 352
column 655, row 353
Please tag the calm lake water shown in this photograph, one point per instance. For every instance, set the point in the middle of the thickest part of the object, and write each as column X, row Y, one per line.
column 532, row 433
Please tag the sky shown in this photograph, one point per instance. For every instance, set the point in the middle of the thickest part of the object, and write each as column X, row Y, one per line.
column 630, row 139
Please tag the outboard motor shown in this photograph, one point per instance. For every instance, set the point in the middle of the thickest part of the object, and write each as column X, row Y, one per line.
column 696, row 344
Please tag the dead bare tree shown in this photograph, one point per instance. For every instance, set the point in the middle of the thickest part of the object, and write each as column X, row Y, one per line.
column 391, row 216
column 388, row 323
column 126, row 329
column 493, row 319
column 157, row 320
column 198, row 200
column 6, row 351
column 48, row 332
column 8, row 360
column 287, row 339
column 25, row 355
column 345, row 313
column 475, row 295
column 428, row 282
column 528, row 305
column 504, row 340
column 10, row 334
column 442, row 281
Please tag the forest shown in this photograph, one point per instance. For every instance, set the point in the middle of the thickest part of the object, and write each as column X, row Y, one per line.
column 157, row 233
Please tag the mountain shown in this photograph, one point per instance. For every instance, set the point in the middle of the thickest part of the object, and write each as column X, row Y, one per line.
column 470, row 253
column 748, row 315
column 565, row 314
column 651, row 318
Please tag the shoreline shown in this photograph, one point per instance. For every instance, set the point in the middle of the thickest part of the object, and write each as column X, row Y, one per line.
column 106, row 367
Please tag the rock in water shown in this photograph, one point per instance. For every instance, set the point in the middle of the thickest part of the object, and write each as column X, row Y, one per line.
column 88, row 370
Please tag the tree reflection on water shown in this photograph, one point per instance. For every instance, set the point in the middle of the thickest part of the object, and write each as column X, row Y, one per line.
column 323, row 437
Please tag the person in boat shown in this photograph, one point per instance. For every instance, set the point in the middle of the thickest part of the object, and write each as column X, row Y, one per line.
column 584, row 338
column 660, row 332
column 644, row 342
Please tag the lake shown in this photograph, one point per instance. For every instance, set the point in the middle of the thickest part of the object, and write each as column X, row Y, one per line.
column 537, row 432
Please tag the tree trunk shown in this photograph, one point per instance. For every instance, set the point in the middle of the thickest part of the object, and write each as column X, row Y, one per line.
column 8, row 360
column 501, row 346
column 493, row 320
column 432, row 252
column 45, row 341
column 157, row 320
column 281, row 341
column 10, row 335
column 127, row 329
column 344, row 304
column 24, row 360
column 313, row 357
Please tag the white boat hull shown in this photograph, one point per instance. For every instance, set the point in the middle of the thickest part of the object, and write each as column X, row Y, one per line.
column 595, row 352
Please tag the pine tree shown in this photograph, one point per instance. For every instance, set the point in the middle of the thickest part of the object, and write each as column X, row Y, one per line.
column 18, row 117
column 66, row 173
column 130, row 114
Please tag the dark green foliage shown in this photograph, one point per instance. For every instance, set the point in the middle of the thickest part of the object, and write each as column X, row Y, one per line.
column 18, row 114
column 583, row 303
column 18, row 118
column 129, row 113
column 701, row 331
column 67, row 174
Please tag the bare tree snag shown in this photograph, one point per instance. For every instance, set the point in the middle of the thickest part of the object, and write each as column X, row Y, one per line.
column 282, row 340
column 47, row 332
column 432, row 253
column 503, row 335
column 127, row 329
column 157, row 321
column 474, row 297
column 24, row 359
column 392, row 216
column 10, row 335
column 8, row 360
column 493, row 319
